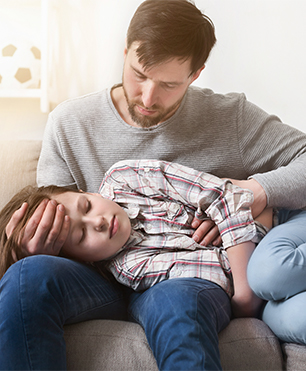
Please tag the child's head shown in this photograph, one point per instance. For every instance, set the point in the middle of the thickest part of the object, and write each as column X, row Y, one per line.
column 98, row 227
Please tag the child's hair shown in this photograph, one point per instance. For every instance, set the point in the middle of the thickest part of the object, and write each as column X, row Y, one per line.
column 33, row 196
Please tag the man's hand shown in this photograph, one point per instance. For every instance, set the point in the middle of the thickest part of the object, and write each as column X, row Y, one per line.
column 45, row 232
column 206, row 232
column 260, row 197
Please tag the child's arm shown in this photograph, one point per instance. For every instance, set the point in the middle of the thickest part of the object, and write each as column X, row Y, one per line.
column 244, row 302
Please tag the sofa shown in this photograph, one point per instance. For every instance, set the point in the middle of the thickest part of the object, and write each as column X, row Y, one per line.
column 246, row 344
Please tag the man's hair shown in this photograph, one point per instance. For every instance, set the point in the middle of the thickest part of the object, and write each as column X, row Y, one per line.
column 167, row 29
column 33, row 196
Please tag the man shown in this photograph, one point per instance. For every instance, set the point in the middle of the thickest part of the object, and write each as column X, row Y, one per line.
column 154, row 113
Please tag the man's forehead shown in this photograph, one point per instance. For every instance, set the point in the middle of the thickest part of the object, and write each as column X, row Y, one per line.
column 173, row 67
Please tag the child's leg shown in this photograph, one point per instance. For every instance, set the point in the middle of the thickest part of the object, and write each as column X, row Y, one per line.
column 38, row 295
column 277, row 268
column 182, row 318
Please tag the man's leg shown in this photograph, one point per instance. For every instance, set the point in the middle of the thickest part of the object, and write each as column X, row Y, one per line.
column 38, row 295
column 287, row 318
column 277, row 268
column 277, row 273
column 182, row 318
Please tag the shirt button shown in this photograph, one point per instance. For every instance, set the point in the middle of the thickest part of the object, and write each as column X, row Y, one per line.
column 149, row 227
column 175, row 228
column 147, row 170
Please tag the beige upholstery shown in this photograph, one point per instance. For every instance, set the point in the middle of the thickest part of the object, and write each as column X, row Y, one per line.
column 295, row 357
column 246, row 344
column 18, row 161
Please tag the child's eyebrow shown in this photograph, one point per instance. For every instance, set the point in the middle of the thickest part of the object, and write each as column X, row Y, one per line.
column 78, row 205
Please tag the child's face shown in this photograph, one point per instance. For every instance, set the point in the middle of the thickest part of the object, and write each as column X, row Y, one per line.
column 99, row 227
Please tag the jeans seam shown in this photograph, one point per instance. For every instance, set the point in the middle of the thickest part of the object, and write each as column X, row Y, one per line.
column 196, row 317
column 22, row 309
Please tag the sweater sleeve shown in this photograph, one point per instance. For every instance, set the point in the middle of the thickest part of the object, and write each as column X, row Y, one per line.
column 52, row 167
column 274, row 154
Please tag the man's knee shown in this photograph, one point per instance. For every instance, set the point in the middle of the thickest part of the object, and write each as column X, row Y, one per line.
column 276, row 267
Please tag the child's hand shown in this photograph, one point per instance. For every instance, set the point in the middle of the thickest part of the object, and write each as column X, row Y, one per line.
column 206, row 232
column 46, row 230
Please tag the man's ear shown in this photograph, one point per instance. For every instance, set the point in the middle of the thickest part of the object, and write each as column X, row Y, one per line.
column 197, row 74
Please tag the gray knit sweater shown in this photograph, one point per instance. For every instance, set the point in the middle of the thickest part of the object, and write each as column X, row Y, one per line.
column 222, row 134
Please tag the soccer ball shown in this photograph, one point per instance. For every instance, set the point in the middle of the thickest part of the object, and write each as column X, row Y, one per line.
column 20, row 65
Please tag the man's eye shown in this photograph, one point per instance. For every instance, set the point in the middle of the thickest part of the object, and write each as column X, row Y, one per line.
column 169, row 87
column 139, row 76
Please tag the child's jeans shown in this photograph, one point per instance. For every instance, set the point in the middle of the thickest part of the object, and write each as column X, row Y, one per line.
column 39, row 294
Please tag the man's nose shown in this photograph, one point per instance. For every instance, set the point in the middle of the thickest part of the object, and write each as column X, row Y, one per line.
column 149, row 94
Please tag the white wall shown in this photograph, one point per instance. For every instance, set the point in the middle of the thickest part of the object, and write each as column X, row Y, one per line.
column 260, row 51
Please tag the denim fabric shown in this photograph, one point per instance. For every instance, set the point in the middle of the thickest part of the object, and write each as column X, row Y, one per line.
column 196, row 309
column 277, row 273
column 38, row 295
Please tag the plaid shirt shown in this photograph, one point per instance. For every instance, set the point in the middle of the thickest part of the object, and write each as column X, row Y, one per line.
column 161, row 200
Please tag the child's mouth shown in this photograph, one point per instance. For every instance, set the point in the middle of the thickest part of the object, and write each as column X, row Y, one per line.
column 113, row 226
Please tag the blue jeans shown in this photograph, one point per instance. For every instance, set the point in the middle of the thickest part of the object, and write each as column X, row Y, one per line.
column 182, row 318
column 39, row 294
column 277, row 273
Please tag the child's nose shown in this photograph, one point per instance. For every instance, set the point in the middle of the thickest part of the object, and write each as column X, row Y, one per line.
column 99, row 222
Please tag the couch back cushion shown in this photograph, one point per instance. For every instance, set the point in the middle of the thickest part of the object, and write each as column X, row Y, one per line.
column 18, row 162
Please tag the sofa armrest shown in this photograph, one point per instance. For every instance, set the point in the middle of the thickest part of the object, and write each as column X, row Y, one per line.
column 18, row 162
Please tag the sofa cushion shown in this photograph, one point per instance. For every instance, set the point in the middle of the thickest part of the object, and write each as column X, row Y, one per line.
column 295, row 357
column 18, row 162
column 246, row 344
column 249, row 344
column 108, row 345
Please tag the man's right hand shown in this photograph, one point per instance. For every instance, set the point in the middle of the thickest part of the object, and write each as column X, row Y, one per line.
column 45, row 232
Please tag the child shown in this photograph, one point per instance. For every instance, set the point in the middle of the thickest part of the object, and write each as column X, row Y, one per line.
column 141, row 227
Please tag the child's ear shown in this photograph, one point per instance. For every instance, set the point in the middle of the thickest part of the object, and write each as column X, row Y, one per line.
column 14, row 256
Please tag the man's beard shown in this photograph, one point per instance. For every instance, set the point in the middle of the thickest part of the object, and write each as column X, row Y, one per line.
column 146, row 121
